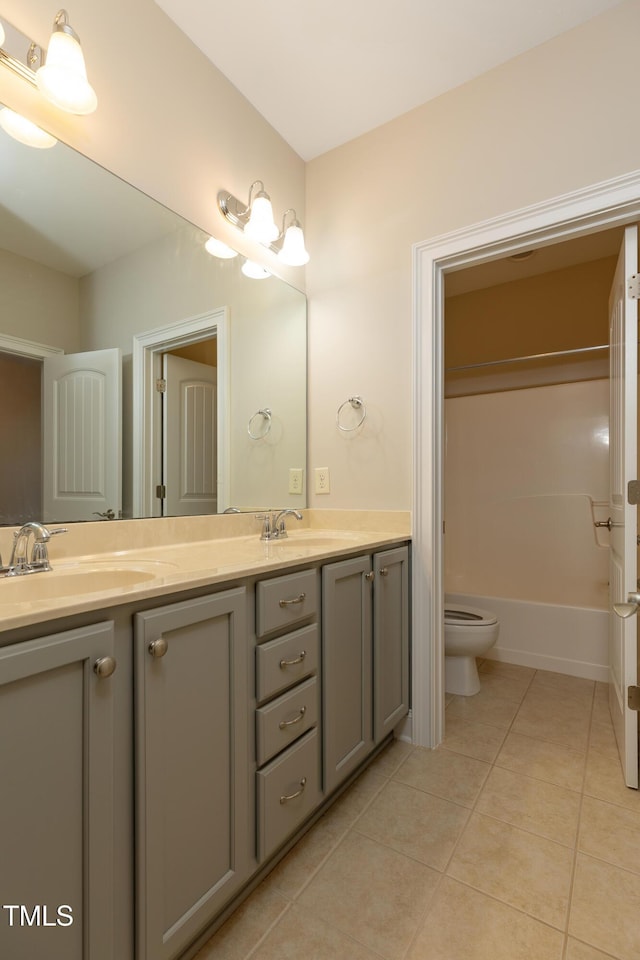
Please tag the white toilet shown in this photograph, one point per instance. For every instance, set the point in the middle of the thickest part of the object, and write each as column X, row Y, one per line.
column 469, row 632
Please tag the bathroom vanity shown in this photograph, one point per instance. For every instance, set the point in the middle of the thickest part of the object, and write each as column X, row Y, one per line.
column 166, row 739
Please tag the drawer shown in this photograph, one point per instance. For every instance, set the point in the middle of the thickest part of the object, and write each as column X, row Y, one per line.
column 287, row 600
column 282, row 662
column 288, row 790
column 285, row 719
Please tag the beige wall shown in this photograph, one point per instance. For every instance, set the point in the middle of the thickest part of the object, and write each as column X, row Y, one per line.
column 551, row 121
column 38, row 303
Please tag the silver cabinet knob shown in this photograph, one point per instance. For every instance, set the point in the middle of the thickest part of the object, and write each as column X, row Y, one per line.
column 369, row 576
column 384, row 572
column 158, row 648
column 104, row 667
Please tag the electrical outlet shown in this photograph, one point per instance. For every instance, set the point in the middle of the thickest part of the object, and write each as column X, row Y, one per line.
column 322, row 480
column 296, row 476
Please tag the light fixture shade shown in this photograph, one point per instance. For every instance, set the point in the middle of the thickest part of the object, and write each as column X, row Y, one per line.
column 2, row 35
column 63, row 77
column 293, row 251
column 24, row 131
column 261, row 225
column 254, row 270
column 219, row 249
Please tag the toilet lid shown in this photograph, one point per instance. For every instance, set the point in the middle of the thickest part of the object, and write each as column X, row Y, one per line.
column 468, row 616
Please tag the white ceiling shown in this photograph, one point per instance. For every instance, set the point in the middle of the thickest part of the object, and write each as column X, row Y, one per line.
column 325, row 71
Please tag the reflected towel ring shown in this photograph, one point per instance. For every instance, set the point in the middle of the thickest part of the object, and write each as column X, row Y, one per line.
column 357, row 404
column 266, row 415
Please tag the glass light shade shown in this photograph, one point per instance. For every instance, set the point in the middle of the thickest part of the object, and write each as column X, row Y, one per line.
column 24, row 131
column 293, row 251
column 219, row 249
column 254, row 271
column 261, row 225
column 63, row 78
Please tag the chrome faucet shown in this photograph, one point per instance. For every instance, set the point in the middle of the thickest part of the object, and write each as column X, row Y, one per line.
column 274, row 526
column 21, row 562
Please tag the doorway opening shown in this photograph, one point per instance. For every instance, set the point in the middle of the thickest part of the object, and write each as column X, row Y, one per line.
column 604, row 206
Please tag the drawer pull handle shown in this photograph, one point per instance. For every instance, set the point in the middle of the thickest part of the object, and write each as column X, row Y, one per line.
column 292, row 663
column 298, row 599
column 288, row 723
column 292, row 796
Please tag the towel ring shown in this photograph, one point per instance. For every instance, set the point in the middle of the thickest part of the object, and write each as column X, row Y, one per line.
column 266, row 416
column 357, row 404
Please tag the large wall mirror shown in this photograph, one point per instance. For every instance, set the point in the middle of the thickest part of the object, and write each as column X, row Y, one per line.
column 139, row 375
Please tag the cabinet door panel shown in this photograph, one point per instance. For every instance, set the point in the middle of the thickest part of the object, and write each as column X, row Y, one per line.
column 56, row 798
column 346, row 669
column 390, row 640
column 191, row 772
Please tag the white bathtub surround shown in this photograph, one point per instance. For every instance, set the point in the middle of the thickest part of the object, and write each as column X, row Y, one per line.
column 548, row 636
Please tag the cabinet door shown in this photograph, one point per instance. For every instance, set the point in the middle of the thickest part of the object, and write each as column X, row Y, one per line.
column 346, row 667
column 56, row 797
column 192, row 769
column 390, row 640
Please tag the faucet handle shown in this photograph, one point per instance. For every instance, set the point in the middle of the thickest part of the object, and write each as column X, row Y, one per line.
column 267, row 525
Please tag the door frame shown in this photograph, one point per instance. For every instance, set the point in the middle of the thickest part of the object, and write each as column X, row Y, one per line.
column 604, row 205
column 147, row 349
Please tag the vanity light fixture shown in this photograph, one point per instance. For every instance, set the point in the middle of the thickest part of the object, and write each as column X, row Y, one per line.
column 256, row 219
column 60, row 73
column 2, row 35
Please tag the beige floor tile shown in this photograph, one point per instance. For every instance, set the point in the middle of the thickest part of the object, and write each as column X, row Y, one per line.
column 542, row 808
column 477, row 740
column 500, row 668
column 601, row 711
column 301, row 936
column 444, row 774
column 566, row 686
column 605, row 908
column 296, row 869
column 610, row 833
column 504, row 686
column 463, row 924
column 527, row 872
column 386, row 763
column 244, row 929
column 553, row 762
column 415, row 823
column 371, row 893
column 541, row 716
column 604, row 781
column 582, row 951
column 484, row 708
column 602, row 739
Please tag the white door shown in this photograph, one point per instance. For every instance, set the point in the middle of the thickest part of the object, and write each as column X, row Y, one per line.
column 623, row 629
column 189, row 437
column 82, row 435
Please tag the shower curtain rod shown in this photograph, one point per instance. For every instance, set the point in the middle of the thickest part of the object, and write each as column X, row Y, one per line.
column 535, row 356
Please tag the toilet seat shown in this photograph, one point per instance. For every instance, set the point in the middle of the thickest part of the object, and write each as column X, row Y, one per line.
column 461, row 615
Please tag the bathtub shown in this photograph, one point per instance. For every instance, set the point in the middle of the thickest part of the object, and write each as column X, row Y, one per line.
column 548, row 636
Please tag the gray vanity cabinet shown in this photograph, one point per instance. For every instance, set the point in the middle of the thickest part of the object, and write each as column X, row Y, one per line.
column 390, row 640
column 194, row 842
column 365, row 677
column 346, row 667
column 56, row 796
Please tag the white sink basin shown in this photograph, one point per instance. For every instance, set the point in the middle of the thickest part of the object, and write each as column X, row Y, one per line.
column 72, row 582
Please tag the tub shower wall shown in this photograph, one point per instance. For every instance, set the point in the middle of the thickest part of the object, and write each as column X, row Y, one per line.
column 526, row 475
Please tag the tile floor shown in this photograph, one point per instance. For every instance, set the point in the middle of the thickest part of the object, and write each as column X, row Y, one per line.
column 515, row 839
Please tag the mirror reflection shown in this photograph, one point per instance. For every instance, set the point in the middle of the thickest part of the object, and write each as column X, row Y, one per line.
column 139, row 375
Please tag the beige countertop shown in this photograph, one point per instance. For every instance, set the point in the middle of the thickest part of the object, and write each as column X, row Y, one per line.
column 86, row 582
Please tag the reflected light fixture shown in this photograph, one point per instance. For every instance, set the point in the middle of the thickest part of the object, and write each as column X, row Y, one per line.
column 24, row 131
column 59, row 73
column 253, row 270
column 2, row 35
column 255, row 218
column 219, row 249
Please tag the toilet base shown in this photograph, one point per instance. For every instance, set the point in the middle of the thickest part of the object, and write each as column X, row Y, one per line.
column 461, row 676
